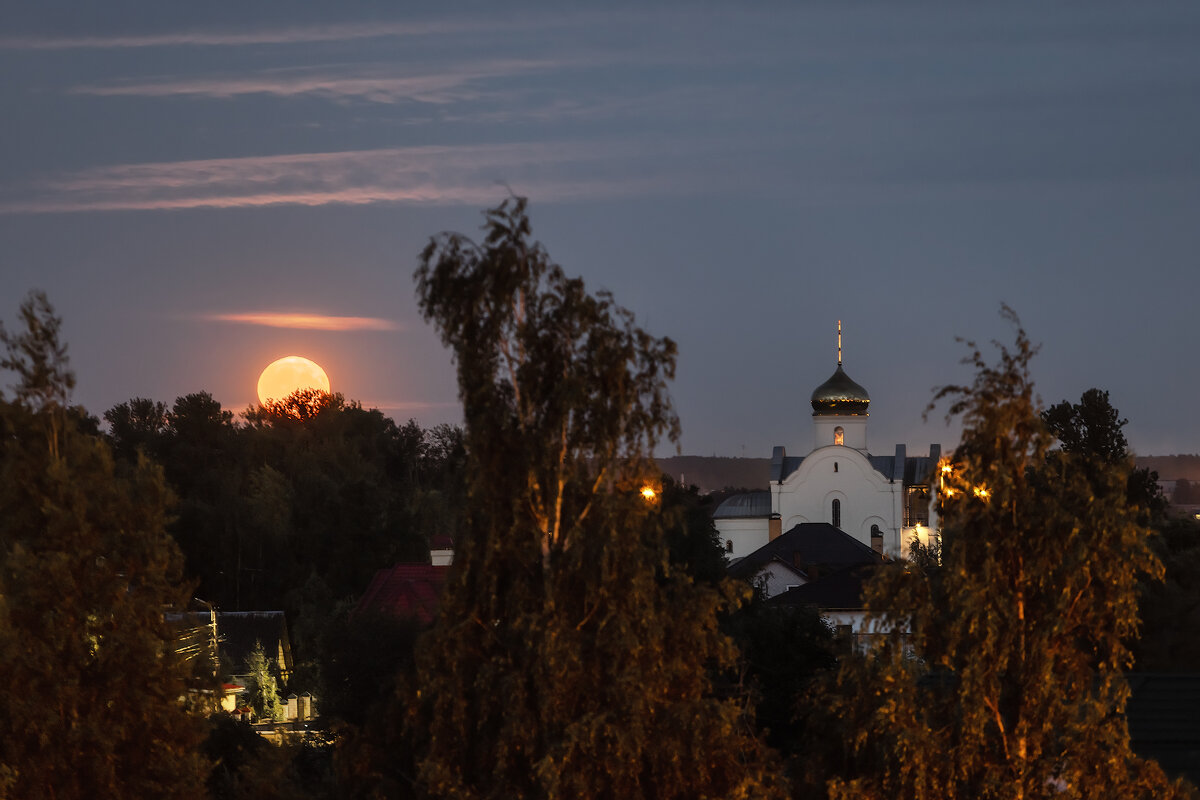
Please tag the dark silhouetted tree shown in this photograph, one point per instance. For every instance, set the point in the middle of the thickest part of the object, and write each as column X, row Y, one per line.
column 96, row 698
column 570, row 658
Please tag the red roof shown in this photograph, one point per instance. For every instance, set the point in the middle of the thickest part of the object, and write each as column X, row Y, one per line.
column 405, row 590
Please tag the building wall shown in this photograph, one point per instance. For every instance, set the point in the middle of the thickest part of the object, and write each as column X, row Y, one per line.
column 747, row 534
column 842, row 473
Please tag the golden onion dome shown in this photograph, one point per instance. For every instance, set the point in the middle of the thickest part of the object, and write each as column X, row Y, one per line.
column 840, row 397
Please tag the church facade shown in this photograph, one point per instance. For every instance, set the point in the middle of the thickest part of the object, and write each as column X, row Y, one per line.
column 884, row 501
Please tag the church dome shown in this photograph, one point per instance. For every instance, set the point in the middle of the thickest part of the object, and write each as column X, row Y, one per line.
column 840, row 397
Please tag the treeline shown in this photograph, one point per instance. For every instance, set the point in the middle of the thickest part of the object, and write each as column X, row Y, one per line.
column 298, row 501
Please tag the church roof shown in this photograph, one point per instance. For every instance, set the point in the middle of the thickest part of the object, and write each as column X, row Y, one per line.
column 748, row 504
column 840, row 396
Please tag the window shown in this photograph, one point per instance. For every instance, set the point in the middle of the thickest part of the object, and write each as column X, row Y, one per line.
column 729, row 545
column 835, row 466
column 876, row 539
column 837, row 513
column 839, row 435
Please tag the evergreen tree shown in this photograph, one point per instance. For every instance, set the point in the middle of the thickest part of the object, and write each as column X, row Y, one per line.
column 262, row 691
column 1009, row 683
column 96, row 697
column 570, row 659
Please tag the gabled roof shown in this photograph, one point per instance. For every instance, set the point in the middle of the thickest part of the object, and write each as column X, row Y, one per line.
column 405, row 590
column 808, row 545
column 837, row 591
column 239, row 631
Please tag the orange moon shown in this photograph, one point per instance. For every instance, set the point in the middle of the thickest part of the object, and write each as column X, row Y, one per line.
column 289, row 374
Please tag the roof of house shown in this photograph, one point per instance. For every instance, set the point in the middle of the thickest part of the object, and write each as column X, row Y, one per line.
column 805, row 546
column 405, row 590
column 836, row 591
column 240, row 631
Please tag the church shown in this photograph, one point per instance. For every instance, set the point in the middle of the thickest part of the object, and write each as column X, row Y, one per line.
column 886, row 502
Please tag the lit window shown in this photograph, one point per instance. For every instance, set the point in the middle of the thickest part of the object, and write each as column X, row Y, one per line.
column 839, row 435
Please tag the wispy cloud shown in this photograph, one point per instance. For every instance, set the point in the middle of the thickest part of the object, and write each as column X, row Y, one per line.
column 374, row 84
column 319, row 322
column 229, row 38
column 451, row 175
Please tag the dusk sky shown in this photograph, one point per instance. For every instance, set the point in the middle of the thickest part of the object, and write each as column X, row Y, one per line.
column 203, row 188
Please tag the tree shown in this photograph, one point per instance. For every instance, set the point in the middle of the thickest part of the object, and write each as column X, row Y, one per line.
column 1092, row 429
column 569, row 658
column 97, row 698
column 1009, row 682
column 262, row 691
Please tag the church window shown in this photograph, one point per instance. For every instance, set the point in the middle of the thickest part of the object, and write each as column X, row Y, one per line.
column 876, row 539
column 839, row 435
column 835, row 466
column 729, row 545
column 837, row 513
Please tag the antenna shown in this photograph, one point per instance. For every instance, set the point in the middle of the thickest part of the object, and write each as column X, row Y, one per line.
column 839, row 342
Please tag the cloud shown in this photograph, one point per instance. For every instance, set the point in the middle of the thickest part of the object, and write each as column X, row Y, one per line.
column 371, row 84
column 319, row 322
column 450, row 175
column 215, row 38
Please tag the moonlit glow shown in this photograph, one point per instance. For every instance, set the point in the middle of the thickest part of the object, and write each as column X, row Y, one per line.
column 283, row 377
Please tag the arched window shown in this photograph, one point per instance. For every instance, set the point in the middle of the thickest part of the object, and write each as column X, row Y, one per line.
column 876, row 539
column 837, row 513
column 729, row 545
column 835, row 466
column 839, row 435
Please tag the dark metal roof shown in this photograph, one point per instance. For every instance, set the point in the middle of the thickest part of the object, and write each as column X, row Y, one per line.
column 750, row 504
column 808, row 545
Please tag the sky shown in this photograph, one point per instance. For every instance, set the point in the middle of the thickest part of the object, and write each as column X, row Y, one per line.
column 203, row 188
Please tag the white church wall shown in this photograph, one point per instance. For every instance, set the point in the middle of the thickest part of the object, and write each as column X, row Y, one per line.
column 746, row 534
column 844, row 474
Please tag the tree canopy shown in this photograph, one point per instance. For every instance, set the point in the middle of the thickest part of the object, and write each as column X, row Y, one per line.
column 98, row 699
column 570, row 659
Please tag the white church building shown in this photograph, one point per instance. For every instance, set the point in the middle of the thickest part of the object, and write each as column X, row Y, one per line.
column 884, row 501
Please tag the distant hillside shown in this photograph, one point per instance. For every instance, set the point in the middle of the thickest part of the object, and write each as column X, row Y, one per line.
column 713, row 473
column 1172, row 468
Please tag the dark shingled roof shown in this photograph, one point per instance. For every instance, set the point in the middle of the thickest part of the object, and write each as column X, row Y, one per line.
column 808, row 545
column 837, row 591
column 749, row 504
column 405, row 590
column 238, row 631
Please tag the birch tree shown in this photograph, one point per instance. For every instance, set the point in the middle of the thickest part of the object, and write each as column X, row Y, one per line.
column 569, row 659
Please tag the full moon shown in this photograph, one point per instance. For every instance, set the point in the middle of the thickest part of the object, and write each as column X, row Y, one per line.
column 283, row 377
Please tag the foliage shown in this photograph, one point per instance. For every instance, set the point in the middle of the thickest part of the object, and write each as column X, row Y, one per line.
column 569, row 658
column 1091, row 429
column 97, row 698
column 1009, row 683
column 262, row 691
